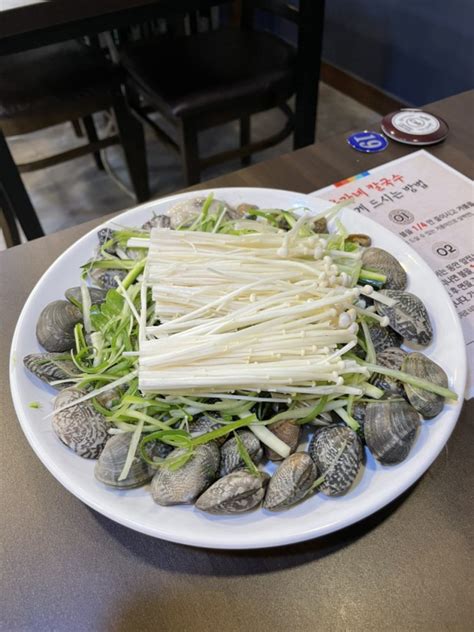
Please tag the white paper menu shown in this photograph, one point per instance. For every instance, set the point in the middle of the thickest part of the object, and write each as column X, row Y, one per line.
column 429, row 205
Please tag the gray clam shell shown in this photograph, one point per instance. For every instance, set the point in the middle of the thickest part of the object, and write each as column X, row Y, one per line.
column 390, row 430
column 337, row 452
column 55, row 326
column 50, row 367
column 230, row 457
column 184, row 485
column 391, row 358
column 112, row 459
column 157, row 221
column 184, row 213
column 157, row 450
column 382, row 261
column 288, row 432
column 104, row 278
column 291, row 482
column 408, row 317
column 383, row 337
column 235, row 493
column 97, row 295
column 205, row 424
column 79, row 427
column 426, row 403
column 358, row 412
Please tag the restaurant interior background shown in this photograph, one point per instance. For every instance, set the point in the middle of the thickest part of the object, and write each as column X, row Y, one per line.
column 373, row 61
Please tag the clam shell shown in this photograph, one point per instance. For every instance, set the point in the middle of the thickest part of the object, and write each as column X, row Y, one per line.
column 186, row 211
column 382, row 261
column 427, row 404
column 184, row 485
column 359, row 238
column 79, row 427
column 157, row 450
column 112, row 459
column 230, row 457
column 49, row 367
column 235, row 493
column 109, row 398
column 205, row 424
column 157, row 221
column 390, row 430
column 74, row 295
column 358, row 412
column 320, row 226
column 104, row 278
column 383, row 337
column 104, row 235
column 55, row 327
column 337, row 452
column 291, row 482
column 408, row 317
column 288, row 432
column 390, row 358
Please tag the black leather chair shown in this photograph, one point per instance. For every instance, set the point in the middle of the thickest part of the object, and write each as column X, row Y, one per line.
column 51, row 85
column 205, row 79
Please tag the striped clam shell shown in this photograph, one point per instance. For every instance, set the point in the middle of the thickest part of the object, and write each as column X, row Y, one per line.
column 184, row 485
column 390, row 430
column 105, row 278
column 112, row 460
column 426, row 403
column 383, row 337
column 50, row 367
column 97, row 295
column 383, row 262
column 238, row 492
column 408, row 317
column 288, row 432
column 291, row 482
column 205, row 424
column 391, row 358
column 230, row 456
column 80, row 426
column 337, row 453
column 55, row 326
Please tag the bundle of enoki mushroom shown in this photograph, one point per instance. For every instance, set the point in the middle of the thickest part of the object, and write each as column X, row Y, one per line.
column 248, row 312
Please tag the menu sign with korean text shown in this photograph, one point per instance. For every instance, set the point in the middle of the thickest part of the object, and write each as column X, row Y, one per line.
column 431, row 206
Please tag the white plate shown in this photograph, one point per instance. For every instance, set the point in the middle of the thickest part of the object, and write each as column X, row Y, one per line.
column 317, row 516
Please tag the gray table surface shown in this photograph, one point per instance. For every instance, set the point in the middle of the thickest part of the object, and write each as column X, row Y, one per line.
column 65, row 567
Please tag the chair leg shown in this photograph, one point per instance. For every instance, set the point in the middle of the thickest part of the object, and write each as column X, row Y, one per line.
column 91, row 133
column 188, row 142
column 245, row 139
column 132, row 137
column 8, row 224
column 16, row 195
column 76, row 125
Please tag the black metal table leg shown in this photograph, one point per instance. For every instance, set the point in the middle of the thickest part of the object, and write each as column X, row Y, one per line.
column 16, row 194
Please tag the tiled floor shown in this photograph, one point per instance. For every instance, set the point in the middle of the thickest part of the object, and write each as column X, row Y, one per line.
column 77, row 191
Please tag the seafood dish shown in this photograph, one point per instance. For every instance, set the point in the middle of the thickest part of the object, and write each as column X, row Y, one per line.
column 238, row 358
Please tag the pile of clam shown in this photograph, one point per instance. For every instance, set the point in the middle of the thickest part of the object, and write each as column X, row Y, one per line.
column 215, row 478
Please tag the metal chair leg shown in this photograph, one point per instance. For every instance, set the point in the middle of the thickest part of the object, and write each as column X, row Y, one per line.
column 16, row 195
